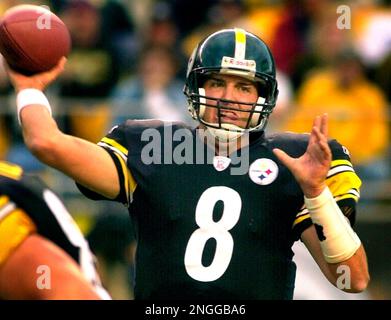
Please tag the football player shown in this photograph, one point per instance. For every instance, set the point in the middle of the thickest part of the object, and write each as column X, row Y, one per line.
column 43, row 254
column 202, row 231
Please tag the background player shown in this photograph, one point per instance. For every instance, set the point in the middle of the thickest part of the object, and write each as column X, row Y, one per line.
column 232, row 90
column 43, row 254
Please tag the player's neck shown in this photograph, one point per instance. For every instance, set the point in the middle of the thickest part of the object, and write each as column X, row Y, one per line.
column 221, row 146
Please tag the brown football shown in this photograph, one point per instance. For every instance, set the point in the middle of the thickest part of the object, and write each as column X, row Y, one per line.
column 33, row 39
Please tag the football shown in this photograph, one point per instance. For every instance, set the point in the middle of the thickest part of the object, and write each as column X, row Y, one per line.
column 33, row 39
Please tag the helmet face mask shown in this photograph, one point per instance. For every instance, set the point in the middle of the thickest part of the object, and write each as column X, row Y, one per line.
column 232, row 52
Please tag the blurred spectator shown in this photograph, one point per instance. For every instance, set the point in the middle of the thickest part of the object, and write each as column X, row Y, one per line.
column 91, row 69
column 372, row 39
column 5, row 4
column 357, row 112
column 4, row 139
column 118, row 32
column 263, row 20
column 4, row 116
column 284, row 106
column 289, row 39
column 57, row 5
column 112, row 240
column 383, row 78
column 162, row 31
column 324, row 42
column 153, row 92
column 222, row 14
column 372, row 31
column 93, row 66
column 190, row 15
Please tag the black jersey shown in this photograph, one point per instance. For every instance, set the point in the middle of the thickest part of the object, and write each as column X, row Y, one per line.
column 205, row 233
column 28, row 206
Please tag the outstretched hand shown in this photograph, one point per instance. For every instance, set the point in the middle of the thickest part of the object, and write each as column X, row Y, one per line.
column 310, row 170
column 37, row 81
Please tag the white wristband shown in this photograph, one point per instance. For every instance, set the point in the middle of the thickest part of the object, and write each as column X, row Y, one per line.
column 28, row 97
column 340, row 242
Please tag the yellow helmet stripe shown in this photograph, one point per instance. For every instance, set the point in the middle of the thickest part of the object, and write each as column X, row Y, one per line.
column 240, row 44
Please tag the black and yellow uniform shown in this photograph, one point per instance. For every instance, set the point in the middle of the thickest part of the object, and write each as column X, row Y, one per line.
column 27, row 206
column 205, row 233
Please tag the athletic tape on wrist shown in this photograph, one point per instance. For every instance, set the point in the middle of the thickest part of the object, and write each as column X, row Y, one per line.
column 340, row 242
column 28, row 97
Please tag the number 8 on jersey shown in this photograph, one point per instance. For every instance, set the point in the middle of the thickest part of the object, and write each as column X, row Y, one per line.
column 210, row 229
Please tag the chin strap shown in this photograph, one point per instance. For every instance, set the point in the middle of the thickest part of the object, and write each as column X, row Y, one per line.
column 228, row 131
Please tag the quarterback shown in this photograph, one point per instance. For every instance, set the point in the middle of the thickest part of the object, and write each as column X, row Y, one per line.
column 203, row 232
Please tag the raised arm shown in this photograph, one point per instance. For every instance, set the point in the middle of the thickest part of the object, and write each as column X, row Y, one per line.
column 83, row 161
column 331, row 240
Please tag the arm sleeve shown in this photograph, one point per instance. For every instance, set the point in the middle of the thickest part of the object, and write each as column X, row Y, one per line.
column 343, row 183
column 115, row 144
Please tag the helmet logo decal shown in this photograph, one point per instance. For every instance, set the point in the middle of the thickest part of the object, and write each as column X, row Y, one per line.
column 227, row 62
column 221, row 163
column 263, row 171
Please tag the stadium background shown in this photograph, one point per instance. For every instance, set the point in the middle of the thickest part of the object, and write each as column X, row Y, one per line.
column 130, row 56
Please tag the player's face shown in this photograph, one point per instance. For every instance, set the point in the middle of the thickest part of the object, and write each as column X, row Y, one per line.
column 229, row 87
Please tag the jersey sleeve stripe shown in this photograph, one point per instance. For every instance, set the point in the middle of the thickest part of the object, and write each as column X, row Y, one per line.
column 301, row 212
column 14, row 229
column 6, row 209
column 125, row 175
column 114, row 144
column 116, row 151
column 304, row 213
column 339, row 169
column 347, row 196
column 300, row 219
column 340, row 162
column 352, row 192
column 105, row 145
column 129, row 183
column 10, row 171
column 3, row 201
column 343, row 183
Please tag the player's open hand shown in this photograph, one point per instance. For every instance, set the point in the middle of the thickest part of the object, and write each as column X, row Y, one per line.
column 310, row 170
column 37, row 81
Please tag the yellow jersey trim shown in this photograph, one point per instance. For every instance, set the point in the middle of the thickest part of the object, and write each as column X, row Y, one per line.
column 14, row 229
column 115, row 145
column 3, row 201
column 300, row 219
column 130, row 183
column 340, row 162
column 10, row 170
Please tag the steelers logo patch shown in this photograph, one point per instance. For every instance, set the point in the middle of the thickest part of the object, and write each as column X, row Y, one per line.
column 263, row 171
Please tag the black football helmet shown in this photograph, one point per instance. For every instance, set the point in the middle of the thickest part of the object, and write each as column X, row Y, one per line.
column 234, row 52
